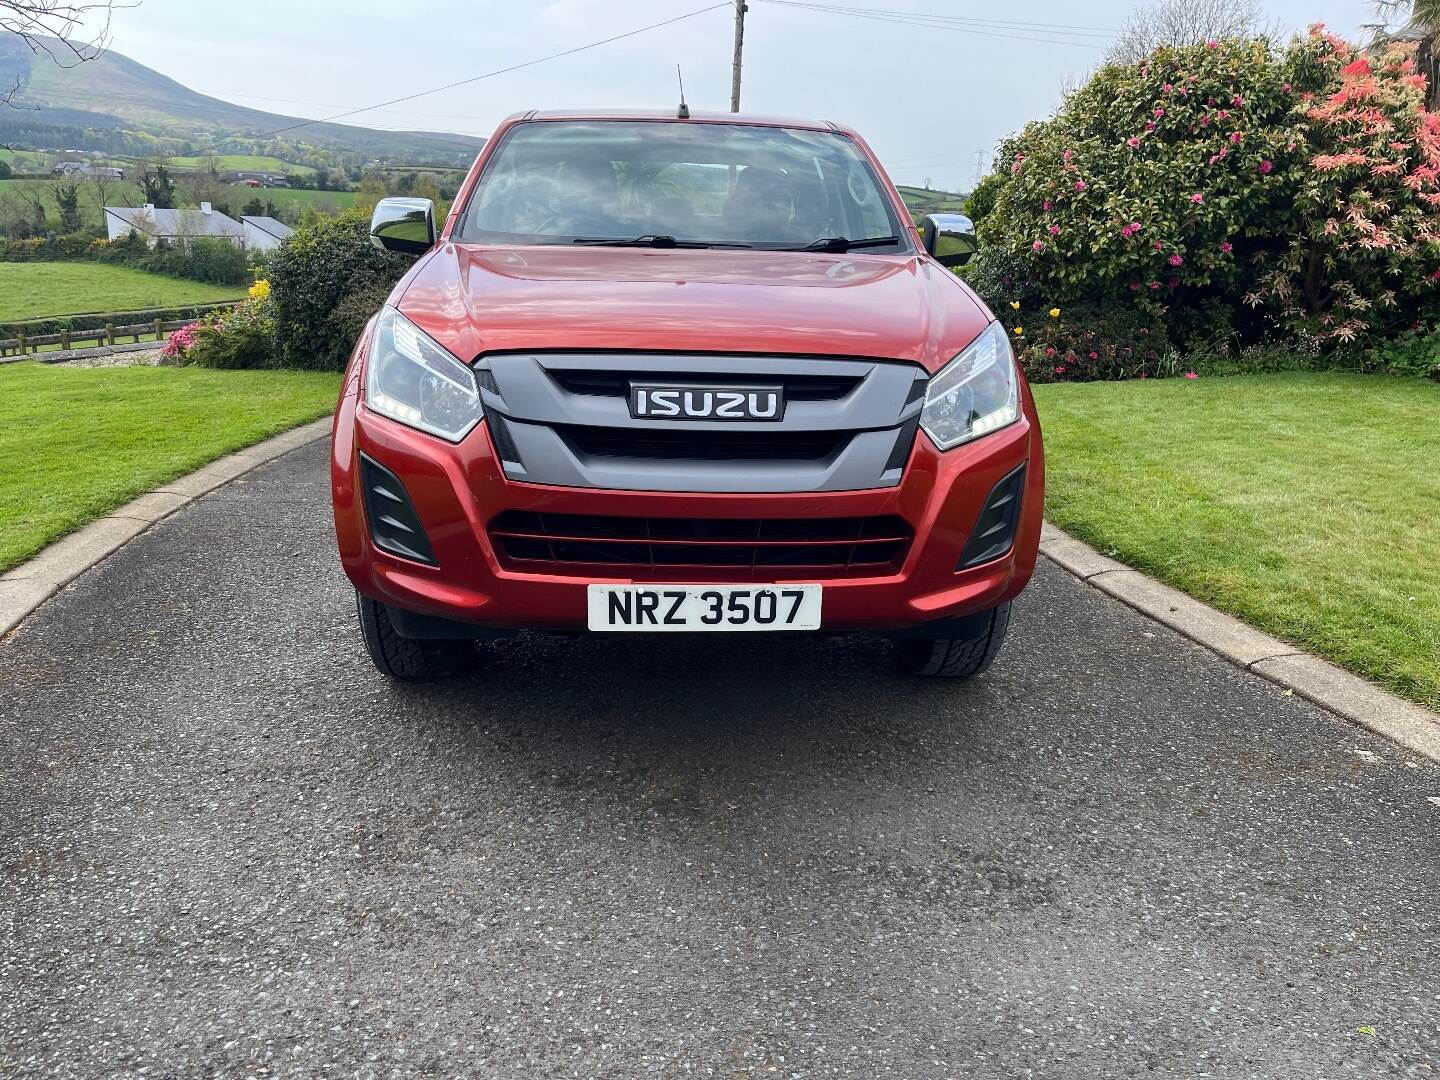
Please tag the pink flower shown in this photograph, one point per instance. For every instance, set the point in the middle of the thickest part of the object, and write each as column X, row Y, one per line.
column 1134, row 286
column 1054, row 230
column 1197, row 198
column 1176, row 260
column 1285, row 88
column 1130, row 230
column 1149, row 125
column 1212, row 44
column 1094, row 356
column 1223, row 114
column 1237, row 100
column 1047, row 205
column 1191, row 375
column 1235, row 136
column 1226, row 247
column 1167, row 88
column 1132, row 142
column 1159, row 113
column 1159, row 245
column 1154, row 284
column 1067, row 155
column 1205, row 120
column 1050, row 351
column 1265, row 167
column 1079, row 185
column 1038, row 246
column 1060, row 369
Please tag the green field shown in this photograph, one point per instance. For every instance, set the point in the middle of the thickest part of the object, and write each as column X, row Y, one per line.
column 134, row 428
column 1305, row 504
column 240, row 163
column 30, row 290
column 15, row 194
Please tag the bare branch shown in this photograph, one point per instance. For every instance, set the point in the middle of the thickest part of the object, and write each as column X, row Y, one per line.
column 1187, row 22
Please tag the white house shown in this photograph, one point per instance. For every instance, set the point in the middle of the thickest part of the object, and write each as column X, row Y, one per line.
column 179, row 227
column 264, row 233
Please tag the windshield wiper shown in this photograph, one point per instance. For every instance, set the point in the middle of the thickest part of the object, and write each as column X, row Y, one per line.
column 840, row 244
column 652, row 240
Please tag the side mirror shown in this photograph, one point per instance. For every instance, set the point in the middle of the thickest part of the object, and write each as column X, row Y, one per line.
column 949, row 237
column 403, row 225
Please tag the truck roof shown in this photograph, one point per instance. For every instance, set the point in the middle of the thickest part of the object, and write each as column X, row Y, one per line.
column 749, row 119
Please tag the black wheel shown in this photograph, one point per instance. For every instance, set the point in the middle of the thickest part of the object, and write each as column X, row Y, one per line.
column 405, row 658
column 954, row 658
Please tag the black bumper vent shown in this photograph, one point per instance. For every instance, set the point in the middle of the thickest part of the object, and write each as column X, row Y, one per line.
column 995, row 531
column 527, row 539
column 394, row 525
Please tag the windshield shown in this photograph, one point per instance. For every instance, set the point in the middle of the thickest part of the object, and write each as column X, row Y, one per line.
column 650, row 183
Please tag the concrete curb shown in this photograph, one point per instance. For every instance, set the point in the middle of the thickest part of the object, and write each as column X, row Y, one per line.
column 1349, row 696
column 30, row 584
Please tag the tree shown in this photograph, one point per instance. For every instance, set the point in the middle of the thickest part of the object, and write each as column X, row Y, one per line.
column 159, row 188
column 67, row 201
column 1187, row 22
column 56, row 29
column 5, row 170
column 1421, row 25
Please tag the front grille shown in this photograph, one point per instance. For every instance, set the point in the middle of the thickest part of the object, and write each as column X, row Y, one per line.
column 528, row 540
column 562, row 419
column 700, row 445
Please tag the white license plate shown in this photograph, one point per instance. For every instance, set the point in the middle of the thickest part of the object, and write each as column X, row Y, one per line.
column 704, row 607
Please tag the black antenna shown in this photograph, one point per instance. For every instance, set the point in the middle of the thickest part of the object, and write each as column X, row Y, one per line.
column 683, row 113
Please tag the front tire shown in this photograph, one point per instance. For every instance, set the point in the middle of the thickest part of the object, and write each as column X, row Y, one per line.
column 954, row 658
column 405, row 658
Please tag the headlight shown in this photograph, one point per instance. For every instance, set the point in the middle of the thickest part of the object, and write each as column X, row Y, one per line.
column 975, row 393
column 409, row 378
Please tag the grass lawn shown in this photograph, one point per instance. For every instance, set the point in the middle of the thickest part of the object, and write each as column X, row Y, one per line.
column 76, row 443
column 1306, row 504
column 30, row 290
column 241, row 163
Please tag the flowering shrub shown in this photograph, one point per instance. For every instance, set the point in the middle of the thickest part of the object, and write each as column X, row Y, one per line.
column 238, row 337
column 260, row 290
column 1365, row 253
column 1303, row 181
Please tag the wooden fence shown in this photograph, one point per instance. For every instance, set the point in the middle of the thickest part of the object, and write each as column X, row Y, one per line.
column 109, row 334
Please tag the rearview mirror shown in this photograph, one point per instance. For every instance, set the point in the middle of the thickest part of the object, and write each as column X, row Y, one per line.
column 403, row 225
column 949, row 237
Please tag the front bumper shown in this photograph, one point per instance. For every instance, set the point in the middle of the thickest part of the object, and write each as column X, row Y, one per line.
column 457, row 491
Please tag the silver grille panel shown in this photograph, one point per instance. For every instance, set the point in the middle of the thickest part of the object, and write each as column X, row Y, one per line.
column 564, row 419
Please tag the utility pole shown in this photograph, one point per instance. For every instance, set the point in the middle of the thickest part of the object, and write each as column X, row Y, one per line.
column 740, row 9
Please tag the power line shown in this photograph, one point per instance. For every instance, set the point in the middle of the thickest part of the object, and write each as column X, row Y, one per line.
column 486, row 75
column 991, row 29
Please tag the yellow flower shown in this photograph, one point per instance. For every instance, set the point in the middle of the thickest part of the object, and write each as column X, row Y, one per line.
column 1054, row 313
column 260, row 290
column 1015, row 304
column 1019, row 331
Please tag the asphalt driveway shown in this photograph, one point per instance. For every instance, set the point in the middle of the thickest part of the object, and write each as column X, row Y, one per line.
column 229, row 848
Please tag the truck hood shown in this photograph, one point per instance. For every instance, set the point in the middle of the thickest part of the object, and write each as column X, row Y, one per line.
column 476, row 300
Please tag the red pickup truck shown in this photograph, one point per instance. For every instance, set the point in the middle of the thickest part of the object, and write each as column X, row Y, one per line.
column 682, row 373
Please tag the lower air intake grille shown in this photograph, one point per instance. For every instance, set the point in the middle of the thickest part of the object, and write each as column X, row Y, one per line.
column 994, row 533
column 394, row 525
column 528, row 540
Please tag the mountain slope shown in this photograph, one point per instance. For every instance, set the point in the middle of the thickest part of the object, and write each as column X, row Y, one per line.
column 113, row 91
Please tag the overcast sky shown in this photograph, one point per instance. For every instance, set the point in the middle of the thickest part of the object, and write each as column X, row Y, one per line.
column 927, row 100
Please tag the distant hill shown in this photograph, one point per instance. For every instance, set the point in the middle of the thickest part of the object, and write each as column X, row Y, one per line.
column 119, row 106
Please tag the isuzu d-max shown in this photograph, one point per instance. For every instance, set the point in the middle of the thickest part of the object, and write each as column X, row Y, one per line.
column 665, row 372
